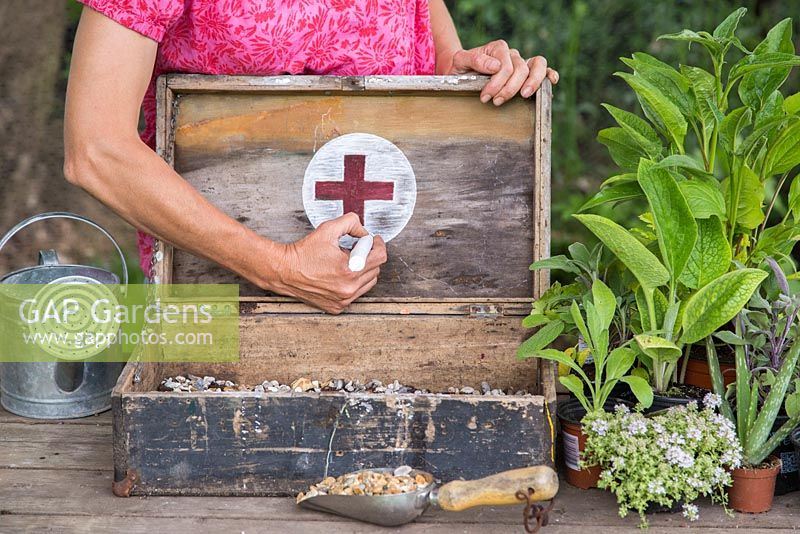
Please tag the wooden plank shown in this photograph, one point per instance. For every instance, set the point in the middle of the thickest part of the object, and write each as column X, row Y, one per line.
column 41, row 493
column 79, row 524
column 26, row 495
column 44, row 455
column 272, row 444
column 519, row 309
column 98, row 419
column 548, row 371
column 188, row 83
column 165, row 147
column 142, row 525
column 427, row 352
column 145, row 525
column 542, row 184
column 54, row 434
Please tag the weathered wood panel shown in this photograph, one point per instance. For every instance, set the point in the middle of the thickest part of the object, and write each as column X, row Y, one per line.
column 430, row 352
column 471, row 233
column 251, row 444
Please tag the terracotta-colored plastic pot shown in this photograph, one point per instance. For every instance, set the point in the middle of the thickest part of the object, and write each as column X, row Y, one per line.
column 697, row 373
column 753, row 489
column 574, row 442
column 570, row 414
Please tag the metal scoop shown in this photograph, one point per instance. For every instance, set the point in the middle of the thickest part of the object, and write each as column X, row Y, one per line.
column 394, row 510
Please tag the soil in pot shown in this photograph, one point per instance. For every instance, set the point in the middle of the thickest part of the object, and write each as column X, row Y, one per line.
column 570, row 413
column 788, row 479
column 754, row 487
column 697, row 373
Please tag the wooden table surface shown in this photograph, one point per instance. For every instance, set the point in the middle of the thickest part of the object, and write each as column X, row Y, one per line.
column 55, row 476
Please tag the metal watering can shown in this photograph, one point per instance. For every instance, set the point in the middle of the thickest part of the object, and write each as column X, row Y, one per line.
column 60, row 389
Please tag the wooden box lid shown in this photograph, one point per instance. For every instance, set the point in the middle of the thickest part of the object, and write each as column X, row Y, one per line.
column 457, row 283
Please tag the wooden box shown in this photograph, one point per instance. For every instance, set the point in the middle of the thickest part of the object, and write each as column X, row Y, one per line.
column 446, row 312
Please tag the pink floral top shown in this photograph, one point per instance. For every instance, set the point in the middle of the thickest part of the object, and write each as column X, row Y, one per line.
column 270, row 37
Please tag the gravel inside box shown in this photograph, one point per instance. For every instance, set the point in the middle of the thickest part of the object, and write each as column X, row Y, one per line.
column 191, row 383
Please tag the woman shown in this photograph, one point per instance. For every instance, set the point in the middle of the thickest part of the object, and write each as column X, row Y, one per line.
column 121, row 47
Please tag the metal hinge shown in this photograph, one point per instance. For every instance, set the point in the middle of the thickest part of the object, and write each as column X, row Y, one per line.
column 485, row 311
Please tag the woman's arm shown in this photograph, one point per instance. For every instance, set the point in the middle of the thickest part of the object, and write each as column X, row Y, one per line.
column 510, row 73
column 110, row 71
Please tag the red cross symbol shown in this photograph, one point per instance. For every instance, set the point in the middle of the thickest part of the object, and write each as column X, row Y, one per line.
column 354, row 190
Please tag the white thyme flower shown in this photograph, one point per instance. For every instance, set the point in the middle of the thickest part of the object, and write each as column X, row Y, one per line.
column 694, row 482
column 658, row 428
column 677, row 439
column 694, row 433
column 691, row 512
column 718, row 477
column 732, row 458
column 677, row 456
column 621, row 408
column 637, row 426
column 656, row 487
column 599, row 427
column 712, row 401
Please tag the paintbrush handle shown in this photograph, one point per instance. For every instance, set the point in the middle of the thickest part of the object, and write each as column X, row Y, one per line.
column 499, row 489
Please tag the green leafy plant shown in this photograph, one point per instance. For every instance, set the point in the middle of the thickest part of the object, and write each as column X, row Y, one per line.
column 592, row 319
column 670, row 458
column 704, row 171
column 767, row 353
column 585, row 266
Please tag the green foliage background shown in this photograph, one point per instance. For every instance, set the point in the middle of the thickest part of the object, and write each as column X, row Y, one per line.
column 583, row 40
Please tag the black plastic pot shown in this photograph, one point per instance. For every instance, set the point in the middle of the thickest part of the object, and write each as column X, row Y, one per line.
column 662, row 402
column 571, row 411
column 789, row 478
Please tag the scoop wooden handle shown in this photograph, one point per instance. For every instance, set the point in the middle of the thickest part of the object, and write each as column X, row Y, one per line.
column 499, row 489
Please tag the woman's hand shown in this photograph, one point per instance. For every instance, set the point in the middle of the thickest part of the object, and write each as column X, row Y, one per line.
column 511, row 74
column 315, row 268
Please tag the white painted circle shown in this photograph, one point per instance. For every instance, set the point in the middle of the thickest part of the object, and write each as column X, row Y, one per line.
column 384, row 162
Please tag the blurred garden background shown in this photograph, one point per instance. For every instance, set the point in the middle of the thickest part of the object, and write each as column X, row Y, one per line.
column 583, row 39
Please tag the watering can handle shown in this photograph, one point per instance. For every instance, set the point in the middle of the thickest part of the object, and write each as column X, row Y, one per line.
column 66, row 215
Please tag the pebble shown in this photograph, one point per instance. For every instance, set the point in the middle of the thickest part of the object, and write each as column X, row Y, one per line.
column 193, row 383
column 302, row 384
column 402, row 480
column 402, row 471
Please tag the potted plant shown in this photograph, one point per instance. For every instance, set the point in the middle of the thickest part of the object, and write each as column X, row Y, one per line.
column 664, row 461
column 758, row 396
column 592, row 317
column 770, row 326
column 703, row 170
